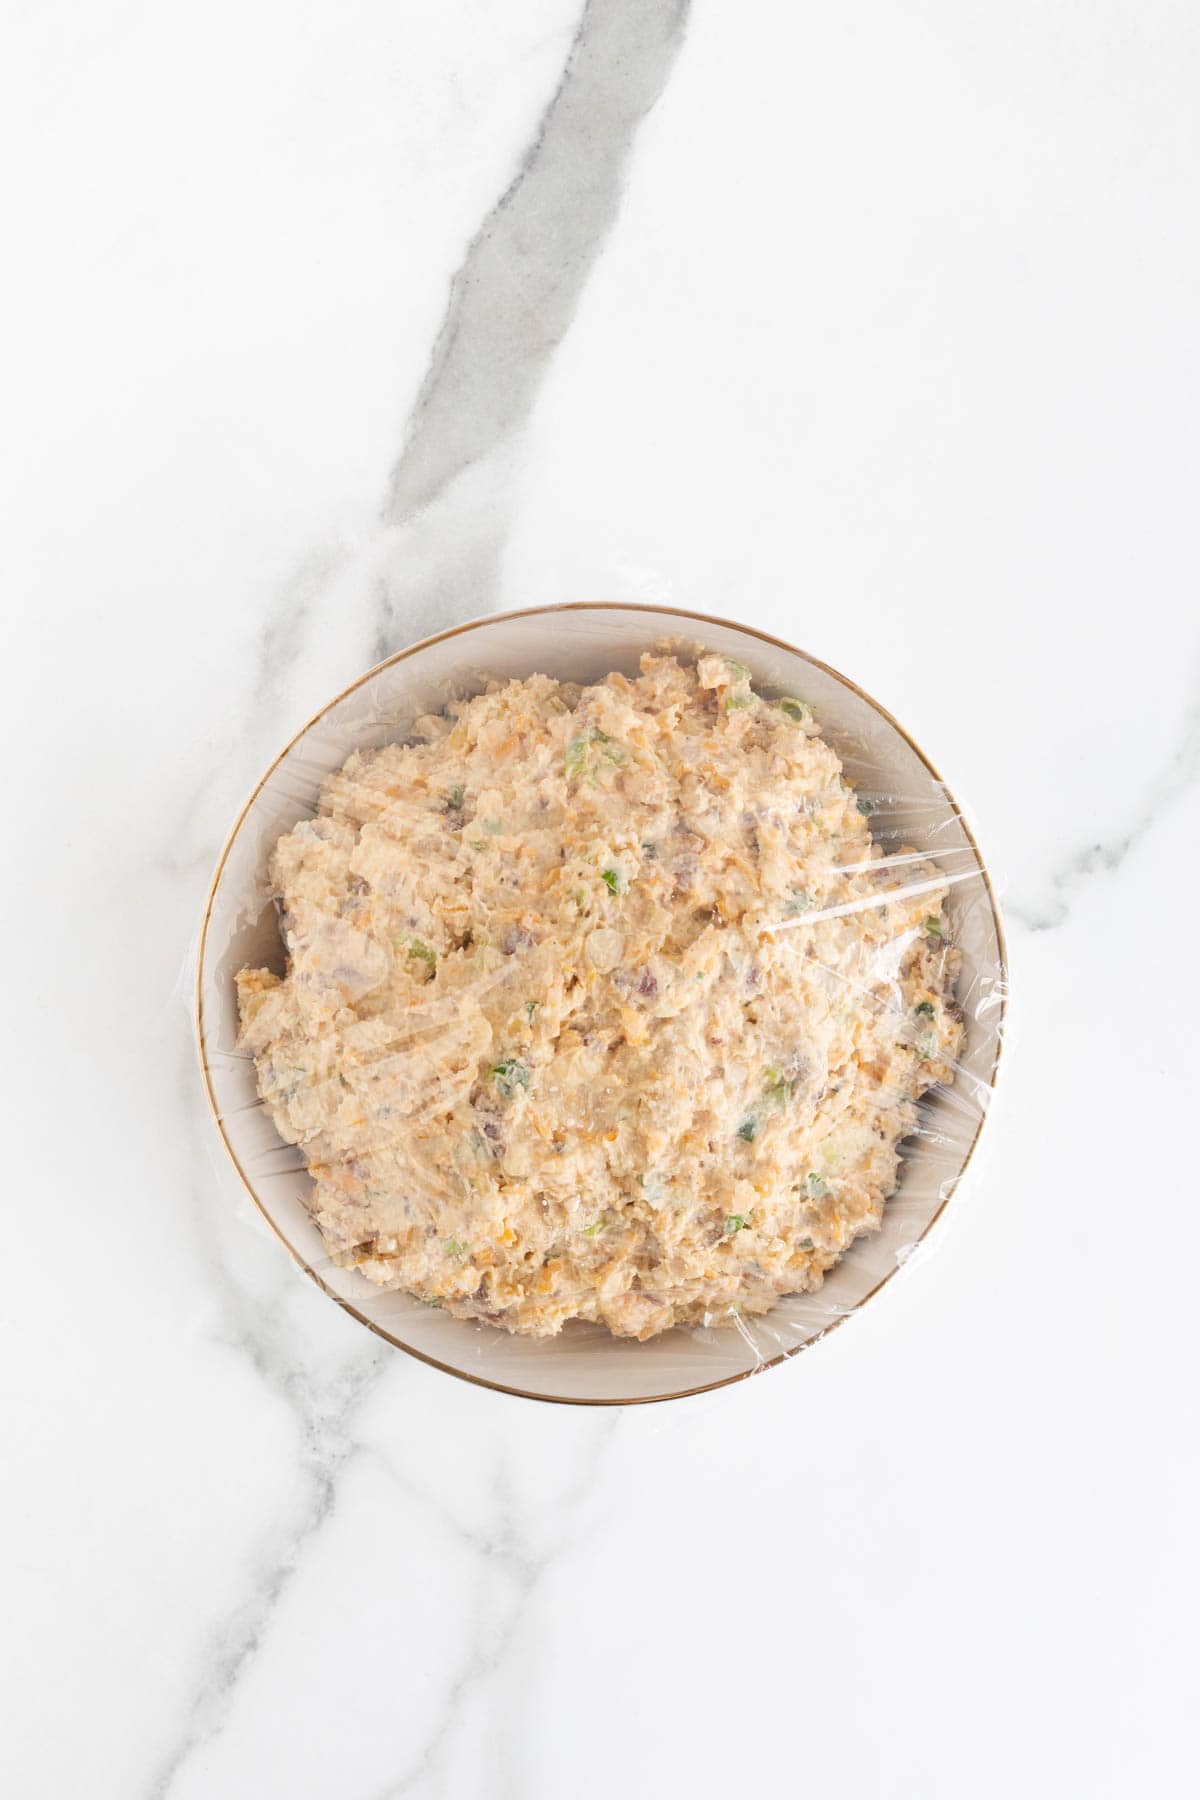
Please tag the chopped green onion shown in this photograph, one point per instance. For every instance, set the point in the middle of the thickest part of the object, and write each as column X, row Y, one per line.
column 798, row 711
column 454, row 1248
column 800, row 902
column 614, row 881
column 738, row 670
column 817, row 1188
column 776, row 1087
column 867, row 807
column 805, row 1244
column 510, row 1075
column 591, row 1230
column 748, row 1129
column 422, row 952
column 927, row 1045
column 925, row 1010
column 531, row 1007
column 576, row 754
column 456, row 795
column 735, row 1222
column 934, row 929
column 733, row 702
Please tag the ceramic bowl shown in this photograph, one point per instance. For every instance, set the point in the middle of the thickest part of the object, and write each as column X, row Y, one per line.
column 582, row 643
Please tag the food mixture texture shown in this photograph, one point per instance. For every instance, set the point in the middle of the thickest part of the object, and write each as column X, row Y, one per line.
column 601, row 1003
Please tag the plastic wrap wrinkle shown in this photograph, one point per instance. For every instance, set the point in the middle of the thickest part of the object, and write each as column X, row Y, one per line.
column 910, row 816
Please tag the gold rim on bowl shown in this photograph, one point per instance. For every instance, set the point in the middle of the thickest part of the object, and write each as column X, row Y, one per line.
column 439, row 637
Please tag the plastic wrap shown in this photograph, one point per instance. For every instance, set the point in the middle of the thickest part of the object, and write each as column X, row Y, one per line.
column 913, row 819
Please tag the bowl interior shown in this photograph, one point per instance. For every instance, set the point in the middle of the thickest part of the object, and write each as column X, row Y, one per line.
column 584, row 643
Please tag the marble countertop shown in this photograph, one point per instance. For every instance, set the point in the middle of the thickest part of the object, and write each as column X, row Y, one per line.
column 323, row 328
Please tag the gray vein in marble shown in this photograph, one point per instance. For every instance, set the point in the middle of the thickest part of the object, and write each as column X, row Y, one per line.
column 513, row 299
column 278, row 646
column 1164, row 791
column 281, row 635
column 323, row 1410
column 443, row 565
column 515, row 1554
column 510, row 304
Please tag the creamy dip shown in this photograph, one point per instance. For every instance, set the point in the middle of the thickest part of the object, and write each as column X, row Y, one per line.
column 601, row 1003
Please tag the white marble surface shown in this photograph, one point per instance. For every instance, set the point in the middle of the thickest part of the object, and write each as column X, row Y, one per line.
column 323, row 326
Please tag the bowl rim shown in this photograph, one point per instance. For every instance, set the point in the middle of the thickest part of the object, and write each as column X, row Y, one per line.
column 461, row 630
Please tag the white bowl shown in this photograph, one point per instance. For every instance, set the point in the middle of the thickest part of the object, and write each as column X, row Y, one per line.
column 582, row 643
